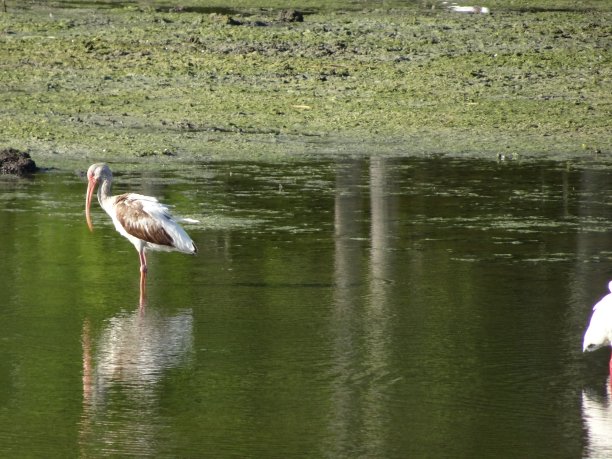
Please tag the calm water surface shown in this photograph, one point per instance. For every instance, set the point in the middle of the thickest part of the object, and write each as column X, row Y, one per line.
column 380, row 308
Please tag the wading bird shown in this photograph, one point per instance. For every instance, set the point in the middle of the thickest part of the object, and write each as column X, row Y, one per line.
column 141, row 219
column 599, row 333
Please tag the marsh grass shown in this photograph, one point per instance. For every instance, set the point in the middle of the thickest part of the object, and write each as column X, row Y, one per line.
column 148, row 79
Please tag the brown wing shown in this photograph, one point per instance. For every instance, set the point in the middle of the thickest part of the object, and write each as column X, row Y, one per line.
column 138, row 223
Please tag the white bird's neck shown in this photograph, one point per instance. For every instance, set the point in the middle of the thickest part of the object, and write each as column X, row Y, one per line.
column 104, row 192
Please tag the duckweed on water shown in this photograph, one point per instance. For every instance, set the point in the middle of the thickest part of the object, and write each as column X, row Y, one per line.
column 119, row 80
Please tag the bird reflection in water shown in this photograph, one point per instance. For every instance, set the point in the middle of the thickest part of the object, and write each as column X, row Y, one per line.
column 597, row 418
column 121, row 371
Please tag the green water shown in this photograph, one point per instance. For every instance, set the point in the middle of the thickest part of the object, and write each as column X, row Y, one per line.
column 354, row 308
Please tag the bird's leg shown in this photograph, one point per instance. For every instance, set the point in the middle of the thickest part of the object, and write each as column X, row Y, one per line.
column 143, row 261
column 143, row 276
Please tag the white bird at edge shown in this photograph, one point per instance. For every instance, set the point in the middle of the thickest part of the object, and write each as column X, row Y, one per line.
column 143, row 220
column 599, row 332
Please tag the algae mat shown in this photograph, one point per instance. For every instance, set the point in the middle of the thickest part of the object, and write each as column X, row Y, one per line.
column 128, row 80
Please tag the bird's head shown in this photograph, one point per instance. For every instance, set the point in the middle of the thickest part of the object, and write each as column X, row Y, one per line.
column 95, row 173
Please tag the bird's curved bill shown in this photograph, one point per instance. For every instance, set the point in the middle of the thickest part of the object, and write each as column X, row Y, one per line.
column 90, row 189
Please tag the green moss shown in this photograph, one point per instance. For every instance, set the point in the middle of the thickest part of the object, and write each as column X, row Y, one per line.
column 99, row 80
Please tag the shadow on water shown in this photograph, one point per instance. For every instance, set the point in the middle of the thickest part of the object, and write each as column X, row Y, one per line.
column 198, row 9
column 348, row 308
column 95, row 4
column 115, row 4
column 223, row 10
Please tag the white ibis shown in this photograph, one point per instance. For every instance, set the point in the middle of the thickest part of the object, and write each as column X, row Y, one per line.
column 143, row 220
column 599, row 333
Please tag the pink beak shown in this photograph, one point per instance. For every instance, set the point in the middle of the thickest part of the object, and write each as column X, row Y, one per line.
column 90, row 189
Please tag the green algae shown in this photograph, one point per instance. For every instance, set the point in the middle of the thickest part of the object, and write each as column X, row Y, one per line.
column 123, row 81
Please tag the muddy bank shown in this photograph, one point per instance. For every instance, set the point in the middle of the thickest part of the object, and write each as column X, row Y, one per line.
column 15, row 162
column 123, row 81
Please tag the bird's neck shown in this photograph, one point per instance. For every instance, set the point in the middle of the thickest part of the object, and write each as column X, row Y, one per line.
column 104, row 192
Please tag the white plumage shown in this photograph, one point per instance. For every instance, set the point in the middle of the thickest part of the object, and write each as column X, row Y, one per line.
column 150, row 216
column 143, row 220
column 599, row 333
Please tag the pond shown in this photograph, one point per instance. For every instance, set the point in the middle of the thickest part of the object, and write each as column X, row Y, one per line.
column 342, row 308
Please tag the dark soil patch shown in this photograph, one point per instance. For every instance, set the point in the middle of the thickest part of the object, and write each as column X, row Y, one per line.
column 16, row 162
